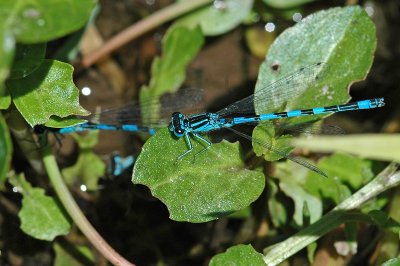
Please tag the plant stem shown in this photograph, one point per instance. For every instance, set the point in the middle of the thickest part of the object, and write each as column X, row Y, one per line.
column 19, row 129
column 340, row 214
column 143, row 26
column 76, row 214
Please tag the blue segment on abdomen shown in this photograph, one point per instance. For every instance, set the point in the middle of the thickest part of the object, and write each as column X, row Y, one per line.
column 364, row 104
column 68, row 130
column 268, row 116
column 130, row 127
column 105, row 127
column 294, row 113
column 319, row 110
column 241, row 120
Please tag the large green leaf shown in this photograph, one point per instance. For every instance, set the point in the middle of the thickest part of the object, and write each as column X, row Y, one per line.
column 48, row 91
column 212, row 186
column 325, row 37
column 43, row 20
column 242, row 255
column 218, row 18
column 27, row 59
column 7, row 46
column 5, row 149
column 180, row 46
column 41, row 216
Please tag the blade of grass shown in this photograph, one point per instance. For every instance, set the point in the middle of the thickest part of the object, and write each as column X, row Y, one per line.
column 374, row 146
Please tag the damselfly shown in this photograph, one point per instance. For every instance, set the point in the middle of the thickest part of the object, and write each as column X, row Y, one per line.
column 243, row 112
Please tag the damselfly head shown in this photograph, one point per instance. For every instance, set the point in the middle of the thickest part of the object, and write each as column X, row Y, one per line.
column 177, row 125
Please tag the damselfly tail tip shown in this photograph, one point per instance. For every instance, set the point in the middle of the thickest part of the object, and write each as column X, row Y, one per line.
column 380, row 102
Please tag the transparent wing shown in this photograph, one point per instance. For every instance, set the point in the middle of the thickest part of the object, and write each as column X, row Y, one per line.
column 131, row 113
column 308, row 128
column 275, row 95
column 281, row 153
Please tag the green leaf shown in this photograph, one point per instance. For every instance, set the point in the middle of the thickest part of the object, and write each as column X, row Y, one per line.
column 238, row 255
column 87, row 141
column 273, row 142
column 278, row 214
column 327, row 188
column 70, row 47
column 350, row 170
column 382, row 219
column 343, row 170
column 5, row 98
column 87, row 170
column 48, row 91
column 7, row 46
column 5, row 150
column 218, row 18
column 311, row 252
column 392, row 262
column 378, row 203
column 241, row 214
column 285, row 4
column 58, row 122
column 43, row 20
column 180, row 46
column 27, row 59
column 89, row 166
column 374, row 146
column 72, row 255
column 292, row 177
column 321, row 37
column 301, row 198
column 389, row 242
column 41, row 216
column 214, row 185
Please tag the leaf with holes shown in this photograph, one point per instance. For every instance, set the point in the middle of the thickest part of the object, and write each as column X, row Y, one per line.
column 321, row 37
